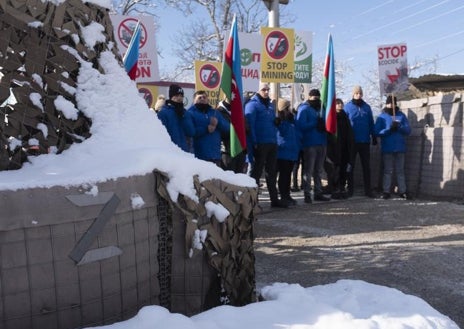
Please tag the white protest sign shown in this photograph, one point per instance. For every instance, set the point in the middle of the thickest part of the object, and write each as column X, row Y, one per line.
column 393, row 68
column 250, row 53
column 147, row 66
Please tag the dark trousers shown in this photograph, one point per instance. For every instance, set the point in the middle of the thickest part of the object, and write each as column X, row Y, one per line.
column 364, row 151
column 343, row 175
column 337, row 176
column 284, row 170
column 333, row 173
column 296, row 167
column 265, row 157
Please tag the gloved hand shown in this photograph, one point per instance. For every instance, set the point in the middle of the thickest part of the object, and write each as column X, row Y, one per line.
column 395, row 126
column 374, row 141
column 277, row 121
column 320, row 125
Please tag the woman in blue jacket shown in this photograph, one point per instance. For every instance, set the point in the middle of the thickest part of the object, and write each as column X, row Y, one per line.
column 392, row 126
column 288, row 142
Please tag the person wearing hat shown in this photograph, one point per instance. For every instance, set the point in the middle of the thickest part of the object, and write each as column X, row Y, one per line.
column 288, row 142
column 262, row 137
column 311, row 126
column 209, row 125
column 176, row 119
column 362, row 121
column 392, row 126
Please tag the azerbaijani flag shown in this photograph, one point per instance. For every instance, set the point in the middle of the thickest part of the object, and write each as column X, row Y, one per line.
column 231, row 85
column 328, row 90
column 131, row 57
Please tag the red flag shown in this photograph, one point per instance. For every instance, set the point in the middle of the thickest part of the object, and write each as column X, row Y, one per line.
column 328, row 95
column 231, row 85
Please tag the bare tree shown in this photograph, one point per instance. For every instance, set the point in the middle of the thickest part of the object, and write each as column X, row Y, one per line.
column 204, row 39
column 417, row 68
column 135, row 7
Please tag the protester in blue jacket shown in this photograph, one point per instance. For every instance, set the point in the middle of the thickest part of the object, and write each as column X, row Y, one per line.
column 262, row 137
column 362, row 121
column 311, row 125
column 176, row 119
column 392, row 126
column 209, row 125
column 288, row 142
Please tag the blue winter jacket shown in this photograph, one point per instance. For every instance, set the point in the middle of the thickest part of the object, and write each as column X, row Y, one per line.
column 206, row 145
column 288, row 140
column 362, row 121
column 392, row 141
column 306, row 123
column 178, row 127
column 260, row 119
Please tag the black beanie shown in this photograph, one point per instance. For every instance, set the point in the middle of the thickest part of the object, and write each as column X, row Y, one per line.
column 314, row 92
column 389, row 99
column 175, row 90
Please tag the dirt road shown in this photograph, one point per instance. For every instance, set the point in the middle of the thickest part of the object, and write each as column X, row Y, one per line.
column 415, row 246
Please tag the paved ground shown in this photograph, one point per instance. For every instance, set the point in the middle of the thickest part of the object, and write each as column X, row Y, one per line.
column 416, row 246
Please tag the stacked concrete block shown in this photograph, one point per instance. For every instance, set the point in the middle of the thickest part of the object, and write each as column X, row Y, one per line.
column 435, row 149
column 50, row 279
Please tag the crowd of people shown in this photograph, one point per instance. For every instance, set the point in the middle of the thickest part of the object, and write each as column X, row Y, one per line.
column 283, row 141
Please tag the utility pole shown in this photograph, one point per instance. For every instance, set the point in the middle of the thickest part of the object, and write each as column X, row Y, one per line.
column 273, row 7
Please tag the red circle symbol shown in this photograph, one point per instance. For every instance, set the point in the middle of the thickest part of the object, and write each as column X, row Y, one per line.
column 277, row 45
column 210, row 76
column 126, row 29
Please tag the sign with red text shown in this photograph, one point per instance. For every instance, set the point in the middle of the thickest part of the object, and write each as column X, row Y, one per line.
column 393, row 68
column 147, row 66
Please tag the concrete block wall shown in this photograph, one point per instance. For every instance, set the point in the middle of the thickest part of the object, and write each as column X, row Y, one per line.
column 42, row 287
column 435, row 149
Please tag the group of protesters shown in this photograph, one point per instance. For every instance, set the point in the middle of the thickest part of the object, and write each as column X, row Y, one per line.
column 281, row 138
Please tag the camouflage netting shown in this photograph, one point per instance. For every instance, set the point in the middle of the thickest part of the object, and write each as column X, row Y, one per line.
column 228, row 244
column 35, row 68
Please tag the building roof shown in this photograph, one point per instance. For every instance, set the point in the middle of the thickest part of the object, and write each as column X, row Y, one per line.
column 438, row 83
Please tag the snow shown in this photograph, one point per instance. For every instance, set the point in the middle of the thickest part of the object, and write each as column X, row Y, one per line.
column 128, row 139
column 346, row 304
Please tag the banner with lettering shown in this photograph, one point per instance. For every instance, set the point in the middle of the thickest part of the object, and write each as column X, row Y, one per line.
column 303, row 56
column 250, row 52
column 393, row 68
